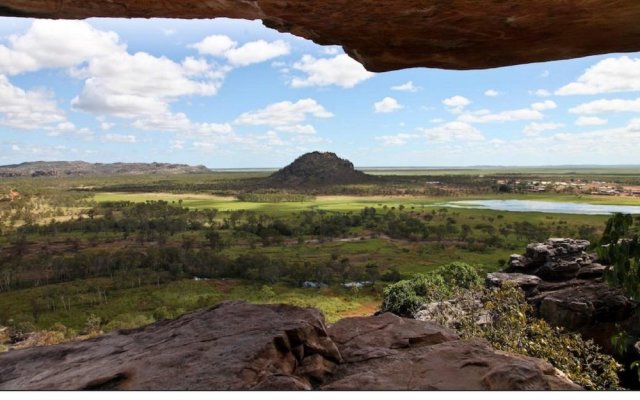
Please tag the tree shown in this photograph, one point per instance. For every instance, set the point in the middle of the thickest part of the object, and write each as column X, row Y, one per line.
column 621, row 250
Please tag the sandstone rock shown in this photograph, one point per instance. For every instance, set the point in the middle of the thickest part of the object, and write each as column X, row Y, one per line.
column 528, row 283
column 570, row 291
column 387, row 352
column 238, row 346
column 387, row 34
column 232, row 346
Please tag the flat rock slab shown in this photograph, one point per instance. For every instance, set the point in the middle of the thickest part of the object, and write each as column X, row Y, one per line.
column 239, row 346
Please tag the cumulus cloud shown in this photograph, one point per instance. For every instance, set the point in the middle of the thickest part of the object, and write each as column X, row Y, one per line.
column 340, row 70
column 286, row 115
column 141, row 86
column 56, row 44
column 541, row 93
column 454, row 130
column 406, row 87
column 456, row 101
column 397, row 140
column 387, row 105
column 545, row 105
column 247, row 54
column 605, row 105
column 28, row 109
column 535, row 129
column 610, row 75
column 491, row 93
column 591, row 121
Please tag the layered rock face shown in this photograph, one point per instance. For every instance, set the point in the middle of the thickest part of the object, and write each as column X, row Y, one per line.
column 238, row 346
column 564, row 284
column 389, row 34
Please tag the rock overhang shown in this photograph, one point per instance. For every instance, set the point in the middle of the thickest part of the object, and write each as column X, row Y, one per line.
column 387, row 35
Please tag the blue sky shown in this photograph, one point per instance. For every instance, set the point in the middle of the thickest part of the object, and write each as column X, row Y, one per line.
column 232, row 93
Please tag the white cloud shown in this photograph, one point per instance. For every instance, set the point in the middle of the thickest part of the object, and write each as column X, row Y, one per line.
column 215, row 45
column 331, row 50
column 504, row 116
column 387, row 105
column 115, row 138
column 610, row 75
column 456, row 101
column 340, row 70
column 180, row 123
column 141, row 85
column 28, row 109
column 544, row 74
column 590, row 121
column 535, row 129
column 491, row 93
column 541, row 93
column 257, row 52
column 247, row 54
column 284, row 114
column 406, row 87
column 455, row 130
column 396, row 140
column 105, row 126
column 604, row 105
column 56, row 44
column 169, row 31
column 545, row 105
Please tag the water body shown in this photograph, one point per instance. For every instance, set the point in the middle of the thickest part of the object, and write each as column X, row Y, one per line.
column 545, row 207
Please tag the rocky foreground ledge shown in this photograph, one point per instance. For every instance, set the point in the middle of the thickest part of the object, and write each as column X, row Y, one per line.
column 239, row 346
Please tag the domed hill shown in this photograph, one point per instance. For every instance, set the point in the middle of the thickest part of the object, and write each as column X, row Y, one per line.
column 318, row 168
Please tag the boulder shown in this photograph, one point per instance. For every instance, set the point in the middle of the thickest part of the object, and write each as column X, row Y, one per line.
column 239, row 346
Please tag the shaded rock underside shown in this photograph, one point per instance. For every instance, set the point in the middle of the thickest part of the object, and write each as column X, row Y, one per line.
column 238, row 346
column 389, row 34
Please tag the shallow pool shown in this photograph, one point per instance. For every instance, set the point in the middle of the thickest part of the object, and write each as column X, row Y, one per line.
column 544, row 206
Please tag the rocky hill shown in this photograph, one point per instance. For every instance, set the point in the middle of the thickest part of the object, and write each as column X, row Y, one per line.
column 239, row 346
column 81, row 168
column 317, row 169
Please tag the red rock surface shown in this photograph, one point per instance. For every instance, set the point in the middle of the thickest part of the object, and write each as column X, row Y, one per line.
column 389, row 34
column 241, row 346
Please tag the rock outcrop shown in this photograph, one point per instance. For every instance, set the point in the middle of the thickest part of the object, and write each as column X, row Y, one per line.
column 388, row 34
column 564, row 284
column 238, row 346
column 317, row 169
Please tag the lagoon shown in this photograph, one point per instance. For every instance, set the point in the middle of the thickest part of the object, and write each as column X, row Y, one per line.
column 545, row 207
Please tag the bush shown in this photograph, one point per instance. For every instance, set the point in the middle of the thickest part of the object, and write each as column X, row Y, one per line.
column 460, row 275
column 405, row 297
column 128, row 321
column 512, row 329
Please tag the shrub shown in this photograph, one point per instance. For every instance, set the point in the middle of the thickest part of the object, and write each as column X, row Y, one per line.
column 128, row 321
column 459, row 274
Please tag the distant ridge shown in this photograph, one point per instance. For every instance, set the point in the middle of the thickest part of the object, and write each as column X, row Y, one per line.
column 317, row 169
column 81, row 168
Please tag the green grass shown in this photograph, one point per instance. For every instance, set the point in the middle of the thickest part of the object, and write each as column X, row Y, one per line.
column 140, row 304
